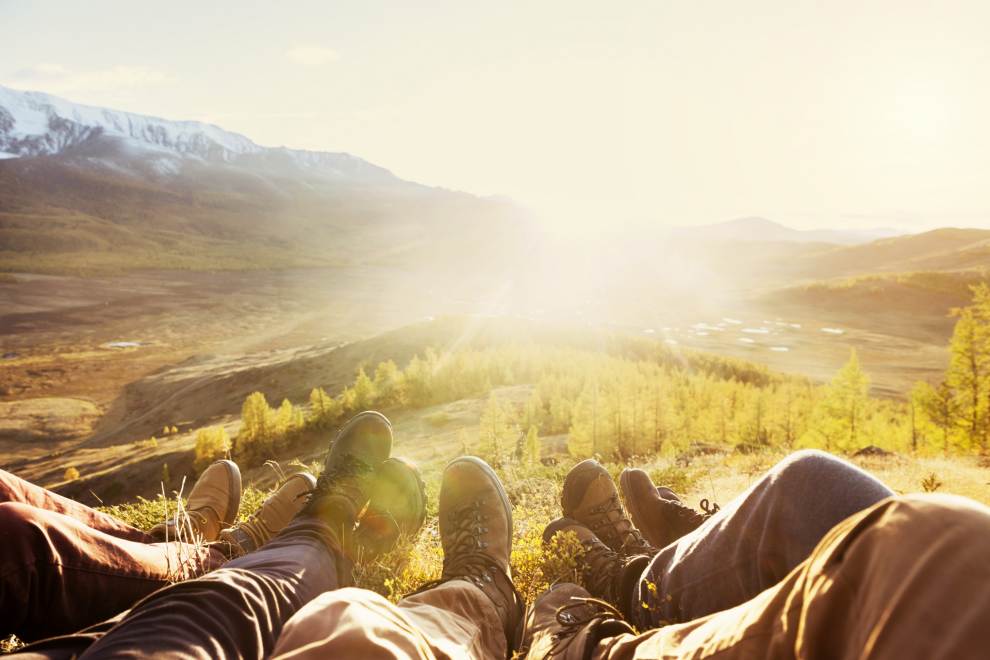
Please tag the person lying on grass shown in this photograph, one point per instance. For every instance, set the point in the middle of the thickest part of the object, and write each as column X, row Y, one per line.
column 66, row 566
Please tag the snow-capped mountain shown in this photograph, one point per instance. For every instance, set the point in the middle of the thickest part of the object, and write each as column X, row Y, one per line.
column 37, row 124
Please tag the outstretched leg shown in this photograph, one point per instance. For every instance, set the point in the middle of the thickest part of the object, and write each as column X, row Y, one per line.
column 756, row 540
column 238, row 611
column 904, row 579
column 58, row 575
column 17, row 490
column 472, row 611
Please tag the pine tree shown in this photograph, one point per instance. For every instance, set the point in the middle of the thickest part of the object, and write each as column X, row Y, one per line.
column 531, row 447
column 583, row 435
column 388, row 384
column 257, row 432
column 211, row 443
column 494, row 432
column 967, row 375
column 846, row 402
column 284, row 419
column 940, row 406
column 364, row 392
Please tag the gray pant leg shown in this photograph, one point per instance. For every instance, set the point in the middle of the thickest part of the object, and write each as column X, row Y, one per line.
column 755, row 540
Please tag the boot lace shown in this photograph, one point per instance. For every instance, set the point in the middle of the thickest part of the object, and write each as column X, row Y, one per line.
column 611, row 524
column 691, row 516
column 339, row 478
column 578, row 614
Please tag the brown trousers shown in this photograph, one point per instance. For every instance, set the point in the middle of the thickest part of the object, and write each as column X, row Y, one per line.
column 65, row 566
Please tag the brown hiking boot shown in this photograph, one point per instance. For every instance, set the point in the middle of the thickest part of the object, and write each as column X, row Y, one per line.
column 605, row 573
column 344, row 486
column 476, row 534
column 212, row 505
column 657, row 510
column 566, row 622
column 397, row 508
column 272, row 516
column 591, row 499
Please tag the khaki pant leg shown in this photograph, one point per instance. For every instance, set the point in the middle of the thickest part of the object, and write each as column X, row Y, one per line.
column 904, row 579
column 453, row 620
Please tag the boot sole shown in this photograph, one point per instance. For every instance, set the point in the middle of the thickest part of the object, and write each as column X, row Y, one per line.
column 421, row 490
column 234, row 499
column 587, row 465
column 353, row 422
column 490, row 473
column 631, row 505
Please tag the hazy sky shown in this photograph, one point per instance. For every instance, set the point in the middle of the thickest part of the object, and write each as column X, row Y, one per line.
column 814, row 113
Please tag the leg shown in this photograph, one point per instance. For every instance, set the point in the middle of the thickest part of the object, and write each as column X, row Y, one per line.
column 238, row 611
column 904, row 579
column 233, row 612
column 756, row 540
column 58, row 575
column 15, row 489
column 453, row 620
column 471, row 611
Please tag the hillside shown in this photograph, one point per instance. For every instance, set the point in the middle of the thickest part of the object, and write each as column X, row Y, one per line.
column 939, row 249
column 916, row 304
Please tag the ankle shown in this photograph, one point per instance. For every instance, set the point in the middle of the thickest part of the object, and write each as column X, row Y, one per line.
column 627, row 591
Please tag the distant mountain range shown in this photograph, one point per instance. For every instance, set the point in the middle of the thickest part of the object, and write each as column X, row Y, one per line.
column 85, row 188
column 763, row 230
column 36, row 124
column 91, row 189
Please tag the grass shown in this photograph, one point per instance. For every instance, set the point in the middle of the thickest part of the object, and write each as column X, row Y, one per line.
column 534, row 492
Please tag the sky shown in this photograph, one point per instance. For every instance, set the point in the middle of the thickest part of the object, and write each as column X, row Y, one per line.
column 664, row 112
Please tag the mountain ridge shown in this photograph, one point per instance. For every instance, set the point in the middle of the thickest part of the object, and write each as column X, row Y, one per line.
column 760, row 229
column 39, row 124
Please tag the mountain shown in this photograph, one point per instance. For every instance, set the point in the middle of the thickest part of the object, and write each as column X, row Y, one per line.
column 37, row 124
column 756, row 229
column 92, row 189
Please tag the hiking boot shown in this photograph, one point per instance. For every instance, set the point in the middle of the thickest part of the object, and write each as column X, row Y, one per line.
column 662, row 516
column 274, row 514
column 343, row 488
column 212, row 505
column 591, row 499
column 606, row 574
column 476, row 535
column 397, row 508
column 566, row 622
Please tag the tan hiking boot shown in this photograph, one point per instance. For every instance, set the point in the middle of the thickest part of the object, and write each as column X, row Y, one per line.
column 344, row 486
column 606, row 574
column 657, row 510
column 476, row 534
column 397, row 508
column 212, row 505
column 590, row 498
column 567, row 622
column 272, row 516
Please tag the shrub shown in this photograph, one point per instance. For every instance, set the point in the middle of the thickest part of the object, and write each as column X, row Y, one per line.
column 211, row 443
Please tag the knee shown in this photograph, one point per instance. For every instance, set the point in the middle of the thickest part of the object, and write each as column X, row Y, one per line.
column 823, row 472
column 810, row 464
column 935, row 523
column 811, row 480
column 360, row 621
column 21, row 527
